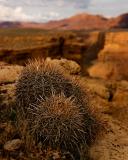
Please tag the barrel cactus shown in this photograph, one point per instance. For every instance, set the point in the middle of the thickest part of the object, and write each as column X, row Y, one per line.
column 57, row 122
column 56, row 106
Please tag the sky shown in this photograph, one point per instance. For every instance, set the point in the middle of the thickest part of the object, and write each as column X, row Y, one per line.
column 45, row 10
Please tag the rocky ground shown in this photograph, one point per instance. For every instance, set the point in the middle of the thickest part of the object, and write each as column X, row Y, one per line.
column 110, row 99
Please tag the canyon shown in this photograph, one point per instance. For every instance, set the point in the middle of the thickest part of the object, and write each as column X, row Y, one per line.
column 101, row 54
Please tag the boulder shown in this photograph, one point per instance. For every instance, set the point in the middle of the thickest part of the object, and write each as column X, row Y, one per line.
column 70, row 66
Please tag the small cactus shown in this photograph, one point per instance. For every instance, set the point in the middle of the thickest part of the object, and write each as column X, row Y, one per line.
column 56, row 106
column 57, row 122
column 40, row 78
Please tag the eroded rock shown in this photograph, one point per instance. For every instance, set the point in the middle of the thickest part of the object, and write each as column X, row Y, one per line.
column 112, row 59
column 70, row 66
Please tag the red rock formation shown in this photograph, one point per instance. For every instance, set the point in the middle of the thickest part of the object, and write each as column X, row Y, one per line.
column 113, row 58
column 78, row 22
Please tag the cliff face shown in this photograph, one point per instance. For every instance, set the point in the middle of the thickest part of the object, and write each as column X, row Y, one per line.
column 70, row 45
column 115, row 46
column 112, row 59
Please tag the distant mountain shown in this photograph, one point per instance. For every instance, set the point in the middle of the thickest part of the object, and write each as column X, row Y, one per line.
column 77, row 22
column 7, row 24
column 123, row 21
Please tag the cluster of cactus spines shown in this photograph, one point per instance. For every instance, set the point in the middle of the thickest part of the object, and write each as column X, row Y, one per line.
column 55, row 104
column 58, row 122
column 39, row 78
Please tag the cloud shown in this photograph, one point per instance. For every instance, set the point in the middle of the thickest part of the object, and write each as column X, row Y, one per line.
column 2, row 1
column 10, row 14
column 48, row 16
column 39, row 10
column 53, row 14
column 45, row 10
column 72, row 3
column 53, row 3
column 108, row 8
